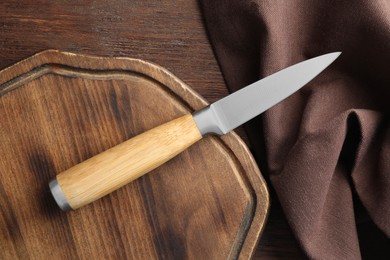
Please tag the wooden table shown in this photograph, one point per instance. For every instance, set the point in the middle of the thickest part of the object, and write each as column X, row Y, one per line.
column 169, row 33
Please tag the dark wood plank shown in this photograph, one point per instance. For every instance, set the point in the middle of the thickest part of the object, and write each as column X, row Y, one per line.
column 169, row 33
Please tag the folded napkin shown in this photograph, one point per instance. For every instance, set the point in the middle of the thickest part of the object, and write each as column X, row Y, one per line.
column 330, row 140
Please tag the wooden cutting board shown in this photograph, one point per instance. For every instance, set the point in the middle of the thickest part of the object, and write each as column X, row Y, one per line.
column 58, row 109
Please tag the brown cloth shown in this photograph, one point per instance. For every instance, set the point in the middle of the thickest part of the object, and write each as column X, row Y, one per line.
column 331, row 139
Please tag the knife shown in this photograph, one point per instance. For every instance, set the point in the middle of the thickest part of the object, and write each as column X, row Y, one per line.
column 116, row 167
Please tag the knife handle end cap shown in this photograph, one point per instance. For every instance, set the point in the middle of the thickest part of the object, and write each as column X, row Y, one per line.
column 58, row 195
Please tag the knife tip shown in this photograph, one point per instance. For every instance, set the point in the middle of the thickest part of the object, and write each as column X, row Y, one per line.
column 329, row 57
column 335, row 54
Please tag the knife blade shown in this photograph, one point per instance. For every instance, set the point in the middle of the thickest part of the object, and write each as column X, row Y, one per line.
column 116, row 167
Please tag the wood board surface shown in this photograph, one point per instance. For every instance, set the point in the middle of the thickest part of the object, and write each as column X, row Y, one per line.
column 59, row 109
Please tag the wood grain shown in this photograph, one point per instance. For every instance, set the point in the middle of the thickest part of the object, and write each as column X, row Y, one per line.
column 169, row 33
column 59, row 109
column 110, row 170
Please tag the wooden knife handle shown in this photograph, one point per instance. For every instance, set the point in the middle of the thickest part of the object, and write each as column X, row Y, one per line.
column 110, row 170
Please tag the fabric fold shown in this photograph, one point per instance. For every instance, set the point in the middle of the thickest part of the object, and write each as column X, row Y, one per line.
column 330, row 141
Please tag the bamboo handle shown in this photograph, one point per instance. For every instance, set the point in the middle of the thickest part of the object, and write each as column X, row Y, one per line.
column 110, row 170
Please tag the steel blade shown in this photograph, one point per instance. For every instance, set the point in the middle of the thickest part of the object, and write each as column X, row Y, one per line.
column 232, row 111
